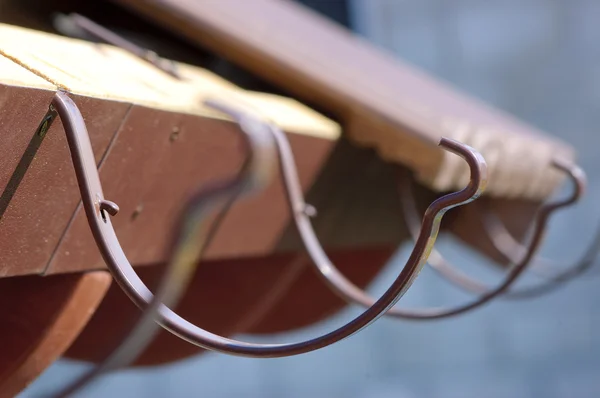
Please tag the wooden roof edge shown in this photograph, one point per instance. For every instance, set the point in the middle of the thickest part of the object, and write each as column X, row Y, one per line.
column 42, row 60
column 395, row 108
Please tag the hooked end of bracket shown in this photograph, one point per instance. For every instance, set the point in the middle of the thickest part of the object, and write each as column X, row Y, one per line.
column 575, row 174
column 477, row 165
column 309, row 210
column 110, row 207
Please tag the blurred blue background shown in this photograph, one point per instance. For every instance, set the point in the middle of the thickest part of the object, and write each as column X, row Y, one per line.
column 538, row 59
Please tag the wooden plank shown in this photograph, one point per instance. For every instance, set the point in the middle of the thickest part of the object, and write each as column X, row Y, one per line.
column 157, row 160
column 35, row 214
column 40, row 317
column 149, row 175
column 164, row 144
column 106, row 72
column 26, row 238
column 402, row 111
column 44, row 200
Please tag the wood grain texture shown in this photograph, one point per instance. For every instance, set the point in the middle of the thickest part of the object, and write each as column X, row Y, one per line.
column 40, row 205
column 162, row 153
column 110, row 73
column 25, row 242
column 40, row 317
column 149, row 175
column 151, row 159
column 156, row 162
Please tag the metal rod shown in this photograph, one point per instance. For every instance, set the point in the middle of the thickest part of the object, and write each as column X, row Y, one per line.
column 353, row 294
column 187, row 244
column 191, row 228
column 460, row 279
column 167, row 66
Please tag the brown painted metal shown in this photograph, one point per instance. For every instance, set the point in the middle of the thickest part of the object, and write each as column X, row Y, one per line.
column 546, row 268
column 191, row 232
column 191, row 229
column 149, row 166
column 352, row 294
column 517, row 215
column 40, row 317
column 23, row 247
column 504, row 242
column 337, row 281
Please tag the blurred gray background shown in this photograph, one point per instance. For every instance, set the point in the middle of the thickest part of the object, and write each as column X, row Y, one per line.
column 538, row 59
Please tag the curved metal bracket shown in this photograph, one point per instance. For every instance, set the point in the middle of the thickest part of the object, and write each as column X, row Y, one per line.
column 186, row 249
column 353, row 294
column 327, row 270
column 460, row 279
column 138, row 292
column 187, row 244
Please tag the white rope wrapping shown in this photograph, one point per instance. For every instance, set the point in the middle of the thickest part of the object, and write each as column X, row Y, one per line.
column 519, row 165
